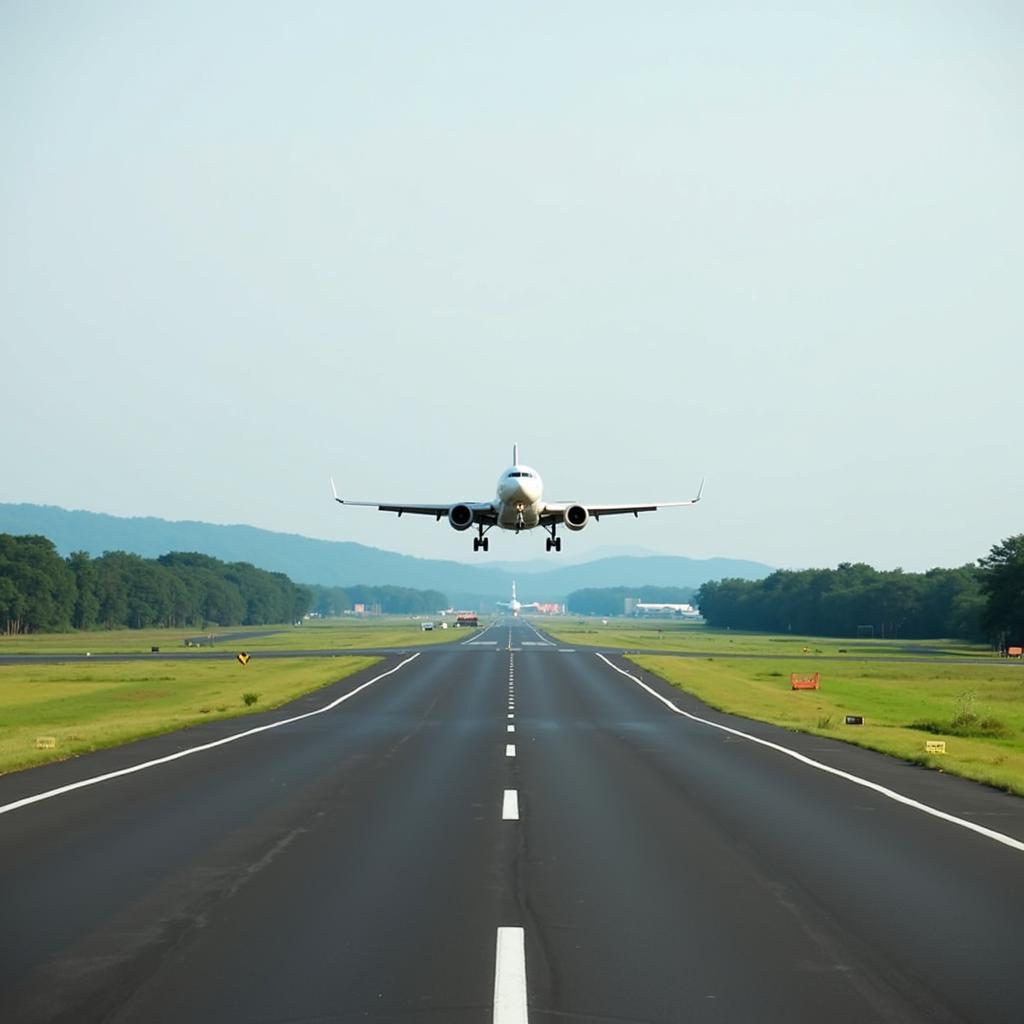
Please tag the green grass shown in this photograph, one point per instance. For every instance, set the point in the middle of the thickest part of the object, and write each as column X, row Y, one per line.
column 336, row 634
column 88, row 707
column 691, row 638
column 938, row 697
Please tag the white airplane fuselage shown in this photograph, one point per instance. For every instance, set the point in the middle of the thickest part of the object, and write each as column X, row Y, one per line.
column 519, row 498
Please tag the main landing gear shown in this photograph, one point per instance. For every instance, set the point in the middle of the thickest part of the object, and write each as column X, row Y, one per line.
column 553, row 541
column 480, row 543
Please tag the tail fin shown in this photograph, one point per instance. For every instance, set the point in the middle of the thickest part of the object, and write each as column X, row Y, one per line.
column 513, row 590
column 515, row 455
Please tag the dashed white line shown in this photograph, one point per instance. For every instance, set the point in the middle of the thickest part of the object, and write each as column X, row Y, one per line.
column 510, row 728
column 195, row 750
column 510, row 805
column 510, row 978
column 899, row 798
column 510, row 750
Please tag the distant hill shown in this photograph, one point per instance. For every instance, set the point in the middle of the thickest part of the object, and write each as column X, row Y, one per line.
column 342, row 563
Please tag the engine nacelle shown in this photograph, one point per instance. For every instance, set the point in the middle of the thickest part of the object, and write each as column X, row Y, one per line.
column 461, row 517
column 576, row 517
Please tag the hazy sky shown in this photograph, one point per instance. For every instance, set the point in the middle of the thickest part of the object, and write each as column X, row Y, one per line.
column 244, row 246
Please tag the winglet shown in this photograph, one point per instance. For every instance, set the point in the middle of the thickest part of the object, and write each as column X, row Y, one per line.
column 700, row 491
column 334, row 491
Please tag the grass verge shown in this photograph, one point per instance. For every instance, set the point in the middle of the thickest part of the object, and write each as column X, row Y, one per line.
column 903, row 705
column 89, row 707
column 331, row 634
column 696, row 638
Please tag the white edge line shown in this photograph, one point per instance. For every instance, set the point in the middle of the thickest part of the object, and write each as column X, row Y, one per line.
column 999, row 837
column 510, row 977
column 81, row 784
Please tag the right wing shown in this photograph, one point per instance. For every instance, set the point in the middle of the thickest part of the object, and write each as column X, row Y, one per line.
column 483, row 511
column 555, row 512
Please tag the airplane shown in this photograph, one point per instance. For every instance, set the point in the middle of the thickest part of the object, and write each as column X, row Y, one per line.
column 518, row 505
column 515, row 606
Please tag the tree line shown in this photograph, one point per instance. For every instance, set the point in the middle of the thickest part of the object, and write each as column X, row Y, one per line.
column 329, row 602
column 612, row 600
column 42, row 592
column 973, row 602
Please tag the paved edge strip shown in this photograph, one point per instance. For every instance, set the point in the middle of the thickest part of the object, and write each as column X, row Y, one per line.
column 25, row 801
column 998, row 837
column 510, row 977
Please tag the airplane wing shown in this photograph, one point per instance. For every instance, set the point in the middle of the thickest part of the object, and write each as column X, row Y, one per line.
column 483, row 511
column 554, row 512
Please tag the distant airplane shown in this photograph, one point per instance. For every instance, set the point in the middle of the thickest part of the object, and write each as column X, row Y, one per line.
column 518, row 506
column 515, row 606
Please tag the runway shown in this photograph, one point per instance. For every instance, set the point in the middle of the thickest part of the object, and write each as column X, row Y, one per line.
column 505, row 830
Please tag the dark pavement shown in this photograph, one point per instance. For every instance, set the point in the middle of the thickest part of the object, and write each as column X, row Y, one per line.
column 354, row 865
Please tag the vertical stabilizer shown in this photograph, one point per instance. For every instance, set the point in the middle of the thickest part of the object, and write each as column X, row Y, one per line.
column 515, row 455
column 513, row 590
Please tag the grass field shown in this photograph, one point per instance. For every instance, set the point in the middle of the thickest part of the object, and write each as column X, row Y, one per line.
column 688, row 637
column 336, row 634
column 88, row 707
column 977, row 710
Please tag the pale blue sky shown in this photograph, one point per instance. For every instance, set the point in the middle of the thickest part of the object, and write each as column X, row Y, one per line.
column 248, row 245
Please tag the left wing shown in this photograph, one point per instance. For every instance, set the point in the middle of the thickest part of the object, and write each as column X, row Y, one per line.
column 483, row 512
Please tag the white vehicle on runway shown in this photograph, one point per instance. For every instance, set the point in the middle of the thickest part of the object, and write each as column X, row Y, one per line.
column 515, row 606
column 519, row 505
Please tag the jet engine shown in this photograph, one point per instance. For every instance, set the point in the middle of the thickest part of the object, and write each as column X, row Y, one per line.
column 461, row 517
column 576, row 517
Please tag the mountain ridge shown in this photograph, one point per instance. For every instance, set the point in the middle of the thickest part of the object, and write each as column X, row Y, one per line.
column 345, row 563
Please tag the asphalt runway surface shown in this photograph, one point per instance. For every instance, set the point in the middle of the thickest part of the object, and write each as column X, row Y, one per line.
column 504, row 831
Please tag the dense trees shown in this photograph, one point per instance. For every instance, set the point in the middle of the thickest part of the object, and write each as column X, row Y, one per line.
column 850, row 598
column 1002, row 581
column 41, row 592
column 37, row 589
column 611, row 600
column 333, row 601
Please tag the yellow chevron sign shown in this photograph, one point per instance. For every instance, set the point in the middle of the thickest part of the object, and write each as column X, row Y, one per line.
column 243, row 658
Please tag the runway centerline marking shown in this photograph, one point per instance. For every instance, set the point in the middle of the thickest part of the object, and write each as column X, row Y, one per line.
column 82, row 783
column 998, row 837
column 510, row 728
column 510, row 750
column 510, row 978
column 510, row 805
